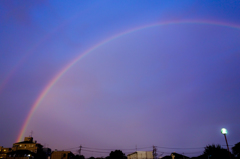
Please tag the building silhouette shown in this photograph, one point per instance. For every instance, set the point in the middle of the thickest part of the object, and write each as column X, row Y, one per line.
column 140, row 155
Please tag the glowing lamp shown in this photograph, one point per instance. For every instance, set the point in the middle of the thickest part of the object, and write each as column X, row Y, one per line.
column 224, row 131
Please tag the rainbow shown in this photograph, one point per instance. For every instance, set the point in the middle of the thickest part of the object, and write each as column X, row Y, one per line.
column 68, row 66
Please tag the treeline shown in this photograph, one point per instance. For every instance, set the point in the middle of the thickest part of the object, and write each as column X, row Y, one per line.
column 117, row 154
column 210, row 152
column 217, row 152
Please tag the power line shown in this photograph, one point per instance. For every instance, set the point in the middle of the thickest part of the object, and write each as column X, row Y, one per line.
column 91, row 149
column 115, row 149
column 103, row 151
column 71, row 148
column 193, row 152
column 179, row 148
column 106, row 151
column 96, row 151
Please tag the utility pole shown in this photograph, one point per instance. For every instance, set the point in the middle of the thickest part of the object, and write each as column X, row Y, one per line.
column 154, row 152
column 79, row 151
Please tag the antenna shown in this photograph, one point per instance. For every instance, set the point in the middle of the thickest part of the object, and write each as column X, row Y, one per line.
column 31, row 133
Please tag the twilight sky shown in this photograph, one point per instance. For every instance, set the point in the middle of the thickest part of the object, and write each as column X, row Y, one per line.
column 163, row 73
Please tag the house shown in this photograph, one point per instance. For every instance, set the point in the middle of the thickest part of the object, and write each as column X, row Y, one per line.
column 28, row 144
column 47, row 152
column 166, row 157
column 4, row 151
column 21, row 154
column 62, row 155
column 178, row 156
column 140, row 155
column 26, row 149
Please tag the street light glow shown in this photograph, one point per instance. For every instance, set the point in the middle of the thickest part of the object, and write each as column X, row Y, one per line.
column 224, row 131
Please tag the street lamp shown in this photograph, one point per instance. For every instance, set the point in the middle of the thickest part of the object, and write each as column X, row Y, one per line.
column 224, row 132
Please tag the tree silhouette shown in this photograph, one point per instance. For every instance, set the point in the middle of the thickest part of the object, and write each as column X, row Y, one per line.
column 117, row 154
column 236, row 150
column 215, row 152
column 79, row 157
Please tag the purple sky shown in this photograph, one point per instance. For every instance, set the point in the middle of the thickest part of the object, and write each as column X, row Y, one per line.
column 173, row 85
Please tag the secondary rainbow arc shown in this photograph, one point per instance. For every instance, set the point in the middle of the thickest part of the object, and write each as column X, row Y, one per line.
column 68, row 66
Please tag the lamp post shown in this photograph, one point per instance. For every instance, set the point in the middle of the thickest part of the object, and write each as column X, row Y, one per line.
column 224, row 132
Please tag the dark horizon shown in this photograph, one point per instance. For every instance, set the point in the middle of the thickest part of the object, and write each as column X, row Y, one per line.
column 160, row 150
